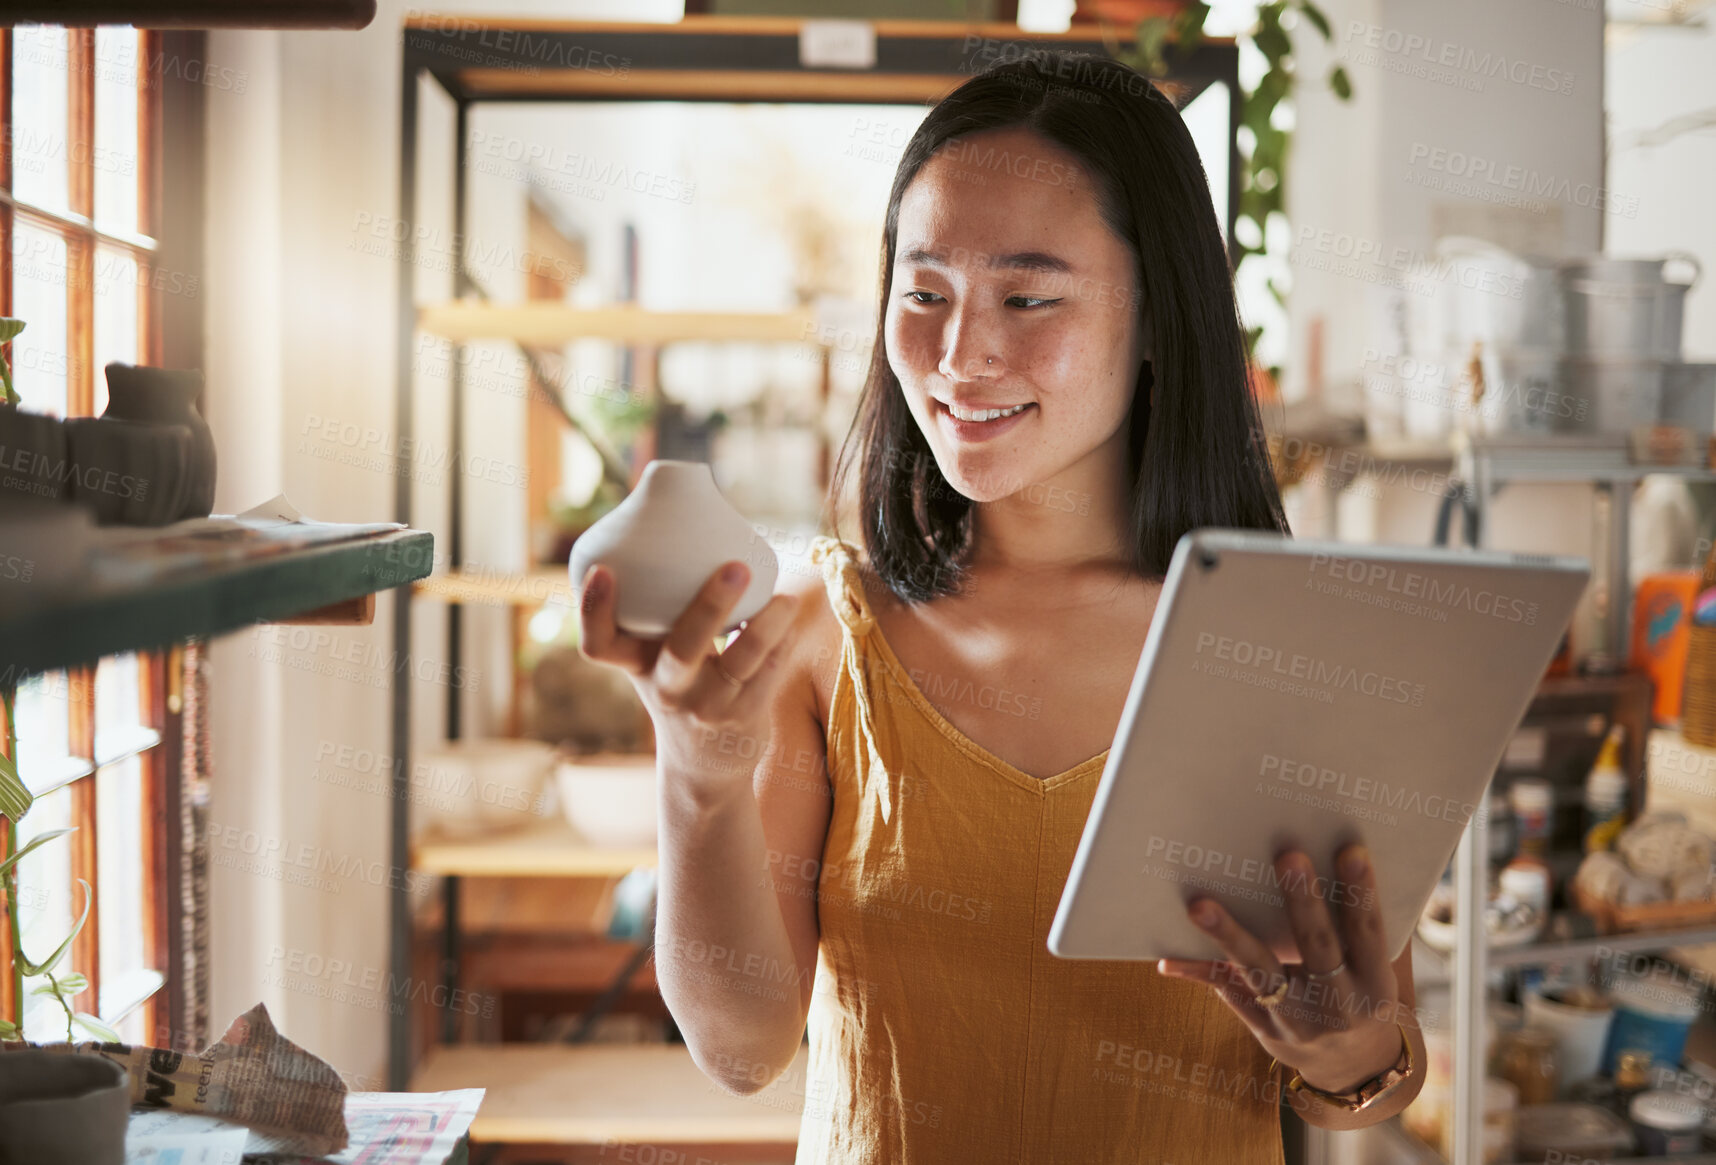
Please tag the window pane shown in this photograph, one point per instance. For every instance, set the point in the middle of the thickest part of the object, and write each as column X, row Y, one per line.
column 39, row 354
column 115, row 315
column 115, row 158
column 118, row 702
column 45, row 902
column 119, row 866
column 44, row 738
column 40, row 92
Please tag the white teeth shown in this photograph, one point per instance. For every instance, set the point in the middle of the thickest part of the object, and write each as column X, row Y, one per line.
column 984, row 414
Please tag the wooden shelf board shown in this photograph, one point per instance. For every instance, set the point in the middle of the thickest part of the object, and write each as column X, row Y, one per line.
column 552, row 849
column 560, row 1094
column 78, row 624
column 531, row 589
column 548, row 324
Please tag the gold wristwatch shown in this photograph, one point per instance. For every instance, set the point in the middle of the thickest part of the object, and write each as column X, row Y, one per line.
column 1371, row 1090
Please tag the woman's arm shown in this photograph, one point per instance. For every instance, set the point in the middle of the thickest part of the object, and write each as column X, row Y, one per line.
column 1339, row 1120
column 736, row 924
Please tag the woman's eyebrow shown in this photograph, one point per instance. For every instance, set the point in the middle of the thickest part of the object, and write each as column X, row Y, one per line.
column 1017, row 260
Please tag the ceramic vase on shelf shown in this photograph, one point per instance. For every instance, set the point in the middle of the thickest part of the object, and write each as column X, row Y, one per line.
column 32, row 457
column 128, row 473
column 168, row 396
column 665, row 540
column 70, row 1108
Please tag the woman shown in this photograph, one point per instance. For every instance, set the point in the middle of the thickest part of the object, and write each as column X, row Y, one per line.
column 1060, row 392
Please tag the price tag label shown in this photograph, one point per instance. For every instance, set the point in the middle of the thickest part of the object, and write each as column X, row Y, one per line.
column 837, row 44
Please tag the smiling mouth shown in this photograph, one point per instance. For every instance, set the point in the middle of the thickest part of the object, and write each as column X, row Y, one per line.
column 979, row 415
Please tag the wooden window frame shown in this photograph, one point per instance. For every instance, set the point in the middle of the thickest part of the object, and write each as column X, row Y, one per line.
column 160, row 673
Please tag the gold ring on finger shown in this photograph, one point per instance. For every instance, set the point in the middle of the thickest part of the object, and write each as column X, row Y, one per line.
column 1274, row 997
column 715, row 660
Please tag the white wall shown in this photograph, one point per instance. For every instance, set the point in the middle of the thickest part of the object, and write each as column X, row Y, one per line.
column 1662, row 151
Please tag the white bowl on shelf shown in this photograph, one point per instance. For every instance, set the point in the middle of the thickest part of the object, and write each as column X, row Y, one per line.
column 466, row 788
column 610, row 798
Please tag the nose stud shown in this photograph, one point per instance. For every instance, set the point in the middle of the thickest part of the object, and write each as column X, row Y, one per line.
column 991, row 359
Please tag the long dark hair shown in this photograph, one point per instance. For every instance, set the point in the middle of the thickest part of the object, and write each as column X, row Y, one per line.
column 1196, row 456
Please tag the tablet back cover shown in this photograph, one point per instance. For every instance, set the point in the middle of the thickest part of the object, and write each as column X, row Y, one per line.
column 1303, row 694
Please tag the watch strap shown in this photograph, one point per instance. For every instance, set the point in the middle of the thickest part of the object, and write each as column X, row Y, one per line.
column 1368, row 1092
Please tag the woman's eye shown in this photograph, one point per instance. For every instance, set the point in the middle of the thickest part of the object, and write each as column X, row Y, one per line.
column 1029, row 300
column 932, row 296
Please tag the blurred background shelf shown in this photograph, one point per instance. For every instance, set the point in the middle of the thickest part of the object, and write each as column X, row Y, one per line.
column 601, row 1095
column 553, row 849
column 546, row 324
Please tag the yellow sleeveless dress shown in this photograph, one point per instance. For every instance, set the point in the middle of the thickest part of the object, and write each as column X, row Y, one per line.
column 941, row 1029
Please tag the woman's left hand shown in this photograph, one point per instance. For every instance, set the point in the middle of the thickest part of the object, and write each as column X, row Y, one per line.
column 1335, row 1019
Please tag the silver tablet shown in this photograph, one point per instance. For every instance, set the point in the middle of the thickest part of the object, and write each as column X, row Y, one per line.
column 1306, row 694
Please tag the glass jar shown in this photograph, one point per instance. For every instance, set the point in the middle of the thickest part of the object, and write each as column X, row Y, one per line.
column 1527, row 1060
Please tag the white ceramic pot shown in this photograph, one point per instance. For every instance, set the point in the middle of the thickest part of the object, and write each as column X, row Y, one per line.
column 610, row 798
column 469, row 787
column 1580, row 1033
column 665, row 540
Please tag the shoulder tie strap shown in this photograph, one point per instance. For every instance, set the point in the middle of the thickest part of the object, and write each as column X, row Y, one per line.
column 845, row 583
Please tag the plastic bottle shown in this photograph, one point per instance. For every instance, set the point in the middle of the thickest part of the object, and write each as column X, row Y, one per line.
column 1606, row 795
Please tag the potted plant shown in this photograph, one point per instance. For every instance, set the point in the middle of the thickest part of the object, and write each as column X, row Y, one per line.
column 68, row 1108
column 1263, row 170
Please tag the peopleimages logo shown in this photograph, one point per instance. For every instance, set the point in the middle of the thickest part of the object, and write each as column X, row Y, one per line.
column 1215, row 863
column 1410, row 584
column 1310, row 669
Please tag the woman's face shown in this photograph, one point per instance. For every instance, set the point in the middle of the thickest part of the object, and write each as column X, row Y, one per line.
column 1011, row 293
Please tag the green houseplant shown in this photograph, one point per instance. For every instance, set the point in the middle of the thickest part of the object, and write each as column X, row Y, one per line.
column 1263, row 172
column 15, row 801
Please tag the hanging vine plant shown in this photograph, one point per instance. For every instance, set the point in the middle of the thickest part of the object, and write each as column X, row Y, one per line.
column 1262, row 176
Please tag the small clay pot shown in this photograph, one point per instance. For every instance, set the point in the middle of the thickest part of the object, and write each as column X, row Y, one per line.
column 69, row 1108
column 665, row 540
column 168, row 396
column 32, row 456
column 127, row 472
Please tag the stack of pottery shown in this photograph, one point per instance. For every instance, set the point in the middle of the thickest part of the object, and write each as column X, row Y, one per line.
column 148, row 460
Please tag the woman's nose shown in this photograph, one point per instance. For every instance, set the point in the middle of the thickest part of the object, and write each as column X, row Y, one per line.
column 972, row 347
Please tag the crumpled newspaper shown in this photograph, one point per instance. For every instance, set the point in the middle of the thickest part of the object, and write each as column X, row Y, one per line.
column 253, row 1076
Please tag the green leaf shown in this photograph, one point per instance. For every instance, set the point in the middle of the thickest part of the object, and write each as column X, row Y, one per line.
column 1341, row 83
column 8, row 1030
column 96, row 1028
column 54, row 959
column 1316, row 17
column 15, row 799
column 72, row 983
column 39, row 839
column 10, row 326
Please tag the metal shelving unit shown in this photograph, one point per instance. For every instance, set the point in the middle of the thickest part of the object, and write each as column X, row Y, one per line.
column 1488, row 464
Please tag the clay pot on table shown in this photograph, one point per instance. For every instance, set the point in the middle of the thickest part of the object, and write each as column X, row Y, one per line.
column 665, row 540
column 127, row 472
column 70, row 1108
column 168, row 396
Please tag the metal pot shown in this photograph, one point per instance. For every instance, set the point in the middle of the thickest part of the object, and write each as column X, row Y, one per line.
column 1625, row 308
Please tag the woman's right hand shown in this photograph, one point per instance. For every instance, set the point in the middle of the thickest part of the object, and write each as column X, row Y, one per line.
column 697, row 697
